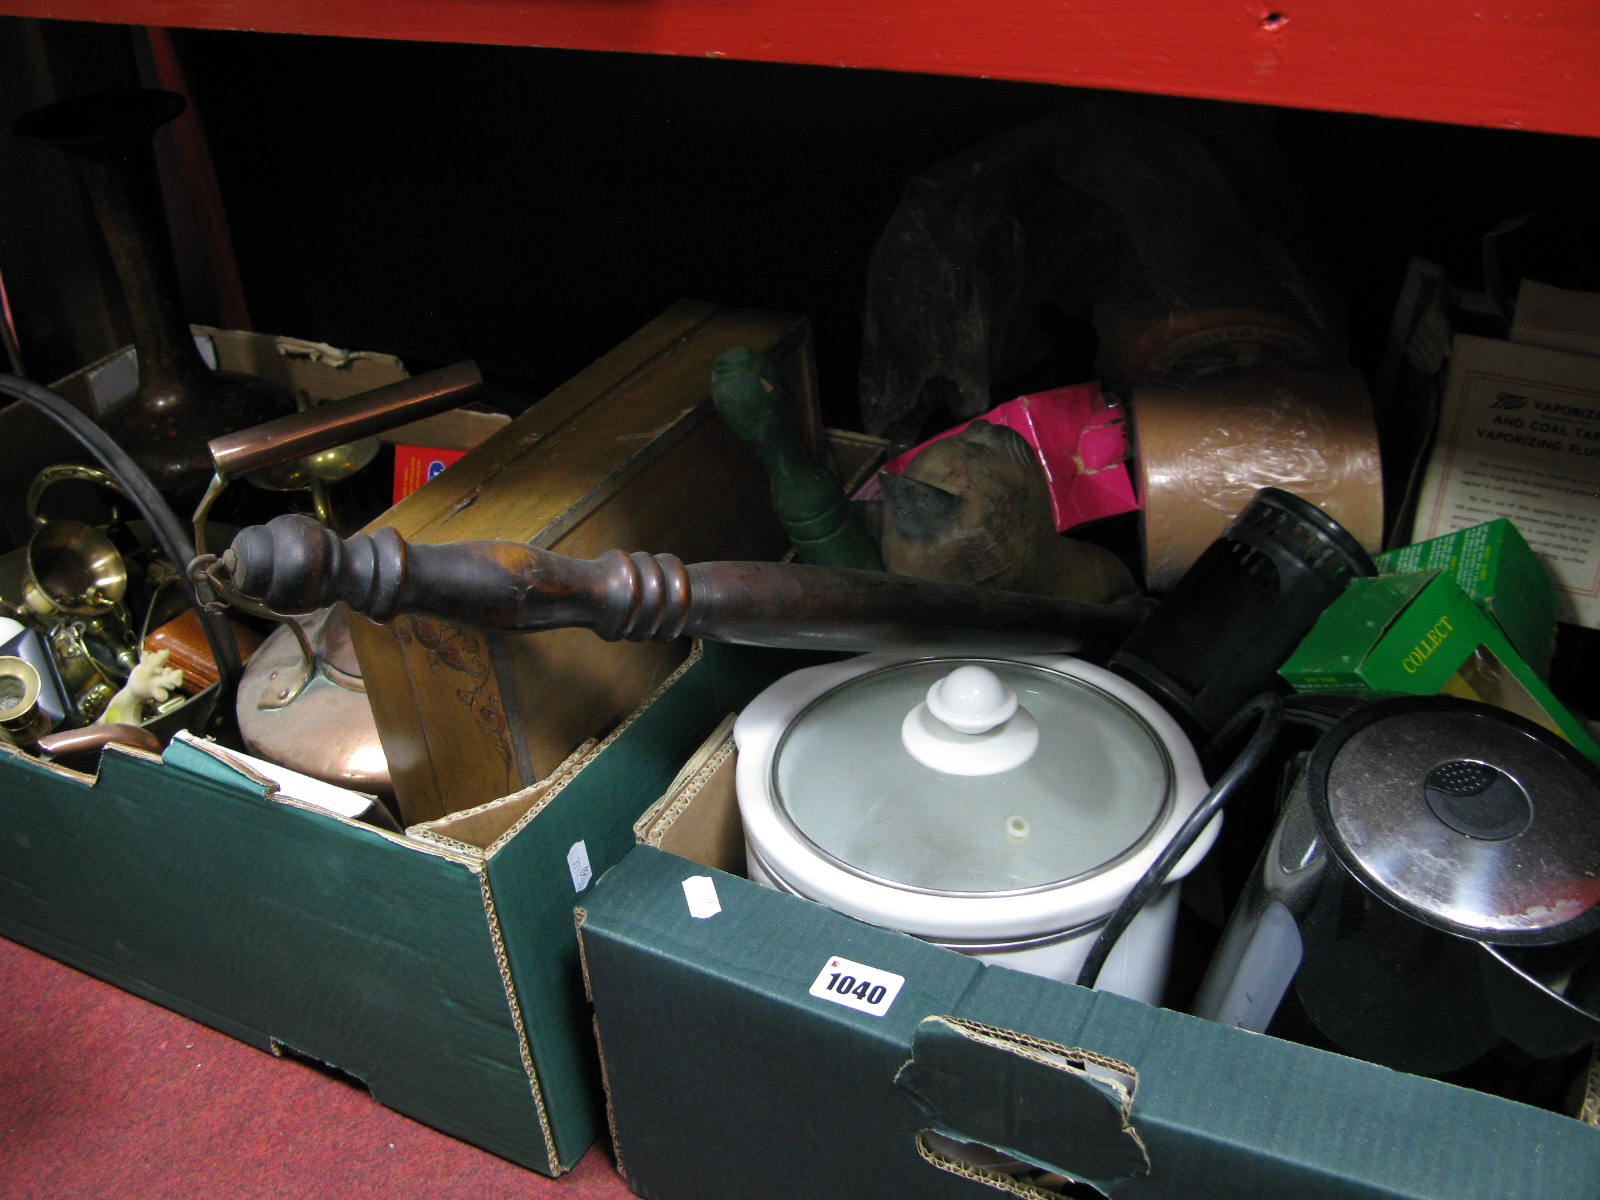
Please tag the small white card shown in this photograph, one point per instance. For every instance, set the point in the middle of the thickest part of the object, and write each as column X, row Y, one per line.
column 700, row 891
column 578, row 864
column 855, row 985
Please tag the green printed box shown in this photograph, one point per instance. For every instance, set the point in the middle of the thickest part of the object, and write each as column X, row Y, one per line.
column 1421, row 634
column 1495, row 566
column 733, row 1070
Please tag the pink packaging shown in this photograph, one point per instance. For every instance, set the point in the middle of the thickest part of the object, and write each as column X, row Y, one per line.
column 1082, row 443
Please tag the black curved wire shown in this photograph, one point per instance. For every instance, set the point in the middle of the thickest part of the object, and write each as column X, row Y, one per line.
column 169, row 531
column 1267, row 710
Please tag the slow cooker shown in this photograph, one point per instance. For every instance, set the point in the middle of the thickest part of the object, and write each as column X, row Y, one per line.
column 1000, row 806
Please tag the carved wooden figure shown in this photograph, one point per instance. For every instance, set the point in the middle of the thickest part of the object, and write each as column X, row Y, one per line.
column 974, row 508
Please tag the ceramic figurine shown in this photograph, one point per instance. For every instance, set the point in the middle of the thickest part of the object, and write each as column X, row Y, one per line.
column 151, row 682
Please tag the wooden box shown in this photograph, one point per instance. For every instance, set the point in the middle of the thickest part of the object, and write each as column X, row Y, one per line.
column 629, row 454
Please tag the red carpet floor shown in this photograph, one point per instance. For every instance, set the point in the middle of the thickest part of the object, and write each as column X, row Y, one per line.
column 104, row 1095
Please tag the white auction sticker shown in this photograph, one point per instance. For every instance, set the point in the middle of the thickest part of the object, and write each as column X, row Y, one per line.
column 854, row 985
column 701, row 893
column 578, row 864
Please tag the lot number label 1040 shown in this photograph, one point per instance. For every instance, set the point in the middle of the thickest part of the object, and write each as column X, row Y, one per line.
column 866, row 989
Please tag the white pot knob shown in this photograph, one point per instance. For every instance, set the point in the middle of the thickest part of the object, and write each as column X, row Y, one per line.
column 972, row 699
column 970, row 724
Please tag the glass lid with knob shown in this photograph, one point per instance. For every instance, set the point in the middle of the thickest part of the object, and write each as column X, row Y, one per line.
column 971, row 776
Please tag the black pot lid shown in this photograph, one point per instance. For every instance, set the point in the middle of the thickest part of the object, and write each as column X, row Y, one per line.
column 1464, row 815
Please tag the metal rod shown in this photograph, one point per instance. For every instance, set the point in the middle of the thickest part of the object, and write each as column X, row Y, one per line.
column 327, row 425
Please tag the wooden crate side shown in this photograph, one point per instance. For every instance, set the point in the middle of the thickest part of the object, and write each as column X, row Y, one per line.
column 436, row 700
column 647, row 465
column 555, row 486
column 551, row 716
column 470, row 475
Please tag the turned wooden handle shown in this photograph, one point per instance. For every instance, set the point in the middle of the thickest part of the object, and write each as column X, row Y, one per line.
column 293, row 564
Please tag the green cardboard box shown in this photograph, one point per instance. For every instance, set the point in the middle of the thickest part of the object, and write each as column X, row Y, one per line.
column 439, row 967
column 1421, row 634
column 735, row 1067
column 1496, row 567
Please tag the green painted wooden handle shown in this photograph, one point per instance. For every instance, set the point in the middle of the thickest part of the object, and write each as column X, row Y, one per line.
column 806, row 495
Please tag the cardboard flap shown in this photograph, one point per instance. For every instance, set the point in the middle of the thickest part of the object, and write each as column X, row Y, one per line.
column 1496, row 567
column 184, row 755
column 1049, row 1105
column 698, row 816
column 215, row 762
column 1353, row 625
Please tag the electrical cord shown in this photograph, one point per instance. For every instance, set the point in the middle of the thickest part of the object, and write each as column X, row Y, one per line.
column 169, row 531
column 1267, row 710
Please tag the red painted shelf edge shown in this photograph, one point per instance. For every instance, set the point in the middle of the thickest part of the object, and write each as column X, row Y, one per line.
column 1510, row 64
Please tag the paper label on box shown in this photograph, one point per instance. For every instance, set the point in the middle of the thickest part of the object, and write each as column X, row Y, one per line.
column 578, row 864
column 854, row 985
column 701, row 893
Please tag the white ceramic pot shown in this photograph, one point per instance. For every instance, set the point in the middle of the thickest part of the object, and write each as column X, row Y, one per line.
column 1000, row 806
